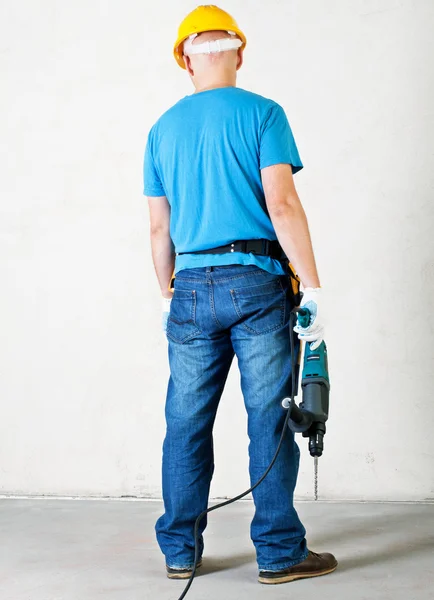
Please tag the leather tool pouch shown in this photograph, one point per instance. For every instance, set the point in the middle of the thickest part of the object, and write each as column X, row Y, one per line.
column 294, row 283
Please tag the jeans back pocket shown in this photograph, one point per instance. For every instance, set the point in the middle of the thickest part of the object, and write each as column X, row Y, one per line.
column 261, row 308
column 181, row 324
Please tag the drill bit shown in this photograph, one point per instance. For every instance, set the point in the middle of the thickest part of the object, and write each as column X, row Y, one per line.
column 315, row 476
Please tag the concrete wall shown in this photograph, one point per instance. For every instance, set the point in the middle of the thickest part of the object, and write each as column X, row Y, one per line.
column 82, row 359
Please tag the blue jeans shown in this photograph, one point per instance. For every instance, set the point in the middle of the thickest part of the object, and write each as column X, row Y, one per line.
column 217, row 312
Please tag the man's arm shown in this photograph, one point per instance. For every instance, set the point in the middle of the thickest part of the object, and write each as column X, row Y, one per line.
column 163, row 253
column 290, row 222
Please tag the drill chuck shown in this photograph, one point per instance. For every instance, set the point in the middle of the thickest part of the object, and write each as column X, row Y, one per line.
column 316, row 440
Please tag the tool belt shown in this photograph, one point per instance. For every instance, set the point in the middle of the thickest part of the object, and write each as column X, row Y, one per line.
column 262, row 247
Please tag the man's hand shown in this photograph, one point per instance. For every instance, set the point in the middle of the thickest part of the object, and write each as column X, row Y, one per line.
column 166, row 302
column 314, row 333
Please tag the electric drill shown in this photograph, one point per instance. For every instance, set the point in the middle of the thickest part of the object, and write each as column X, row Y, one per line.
column 309, row 418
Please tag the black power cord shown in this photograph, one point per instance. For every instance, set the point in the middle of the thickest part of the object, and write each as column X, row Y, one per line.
column 292, row 319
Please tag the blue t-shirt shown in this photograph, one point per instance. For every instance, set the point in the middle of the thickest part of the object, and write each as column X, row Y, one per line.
column 205, row 154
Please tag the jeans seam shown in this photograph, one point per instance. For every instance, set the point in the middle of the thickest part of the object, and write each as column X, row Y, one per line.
column 242, row 276
column 284, row 299
column 193, row 307
column 179, row 567
column 260, row 272
column 221, row 279
column 211, row 299
column 189, row 279
column 283, row 566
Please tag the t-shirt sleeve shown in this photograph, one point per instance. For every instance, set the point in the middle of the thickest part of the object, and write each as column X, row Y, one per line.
column 277, row 144
column 152, row 182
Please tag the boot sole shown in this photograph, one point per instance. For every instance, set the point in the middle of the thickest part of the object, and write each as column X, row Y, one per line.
column 295, row 576
column 182, row 574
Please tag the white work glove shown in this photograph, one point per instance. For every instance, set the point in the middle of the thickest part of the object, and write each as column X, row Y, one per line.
column 165, row 305
column 315, row 332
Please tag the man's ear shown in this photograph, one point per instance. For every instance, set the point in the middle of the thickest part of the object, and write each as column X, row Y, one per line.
column 240, row 59
column 187, row 62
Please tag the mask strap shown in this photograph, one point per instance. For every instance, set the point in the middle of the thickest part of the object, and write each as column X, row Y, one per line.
column 223, row 45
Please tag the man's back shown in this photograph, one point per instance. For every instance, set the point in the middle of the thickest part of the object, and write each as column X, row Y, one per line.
column 206, row 154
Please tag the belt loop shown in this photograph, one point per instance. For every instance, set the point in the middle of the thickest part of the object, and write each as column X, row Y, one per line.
column 243, row 246
column 266, row 247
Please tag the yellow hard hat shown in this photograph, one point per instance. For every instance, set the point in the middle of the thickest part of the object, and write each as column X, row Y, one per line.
column 205, row 18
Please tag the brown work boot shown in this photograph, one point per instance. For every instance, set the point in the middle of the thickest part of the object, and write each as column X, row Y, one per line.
column 314, row 565
column 181, row 573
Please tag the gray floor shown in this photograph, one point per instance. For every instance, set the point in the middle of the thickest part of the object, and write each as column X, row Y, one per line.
column 70, row 550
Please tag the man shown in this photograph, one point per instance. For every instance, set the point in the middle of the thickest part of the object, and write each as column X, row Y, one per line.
column 218, row 175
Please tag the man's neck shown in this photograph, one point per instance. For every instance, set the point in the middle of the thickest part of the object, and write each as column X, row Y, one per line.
column 214, row 86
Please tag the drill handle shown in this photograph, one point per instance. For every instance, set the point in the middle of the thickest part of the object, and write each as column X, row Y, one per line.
column 303, row 317
column 299, row 420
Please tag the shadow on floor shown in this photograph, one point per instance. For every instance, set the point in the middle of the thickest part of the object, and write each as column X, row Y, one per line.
column 388, row 554
column 394, row 536
column 362, row 527
column 212, row 564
